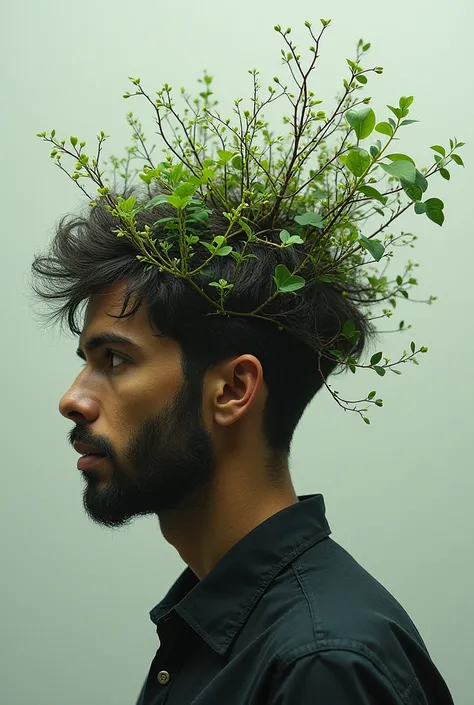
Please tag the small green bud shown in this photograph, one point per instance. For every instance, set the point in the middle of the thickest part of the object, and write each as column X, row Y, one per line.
column 73, row 141
column 424, row 349
column 276, row 79
column 277, row 28
column 75, row 176
column 379, row 402
column 325, row 23
column 288, row 30
column 82, row 144
column 378, row 69
column 307, row 24
column 366, row 419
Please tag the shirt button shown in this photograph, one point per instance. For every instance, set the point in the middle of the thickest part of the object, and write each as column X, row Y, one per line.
column 163, row 677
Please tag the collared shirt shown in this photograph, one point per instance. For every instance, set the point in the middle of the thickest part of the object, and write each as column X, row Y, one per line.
column 288, row 617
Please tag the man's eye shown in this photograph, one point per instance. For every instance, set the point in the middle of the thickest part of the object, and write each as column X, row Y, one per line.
column 110, row 354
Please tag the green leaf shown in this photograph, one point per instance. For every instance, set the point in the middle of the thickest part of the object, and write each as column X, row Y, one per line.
column 184, row 190
column 384, row 128
column 314, row 219
column 434, row 210
column 380, row 370
column 361, row 78
column 438, row 148
column 457, row 159
column 416, row 191
column 157, row 200
column 445, row 174
column 223, row 251
column 225, row 155
column 401, row 170
column 405, row 102
column 349, row 330
column 375, row 247
column 396, row 111
column 407, row 122
column 366, row 419
column 362, row 120
column 420, row 208
column 237, row 162
column 412, row 346
column 358, row 161
column 372, row 193
column 285, row 281
column 245, row 228
column 371, row 395
column 375, row 359
column 374, row 151
column 398, row 157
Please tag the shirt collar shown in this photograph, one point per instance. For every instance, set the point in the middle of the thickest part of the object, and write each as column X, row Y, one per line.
column 217, row 606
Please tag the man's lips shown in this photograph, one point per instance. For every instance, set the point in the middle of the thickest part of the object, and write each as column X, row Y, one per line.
column 86, row 448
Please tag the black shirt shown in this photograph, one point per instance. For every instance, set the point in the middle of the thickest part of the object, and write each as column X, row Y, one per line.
column 288, row 617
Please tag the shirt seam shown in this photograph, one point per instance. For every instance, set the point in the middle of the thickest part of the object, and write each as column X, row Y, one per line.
column 403, row 692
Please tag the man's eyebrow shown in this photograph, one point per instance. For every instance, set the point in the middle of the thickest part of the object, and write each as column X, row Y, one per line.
column 100, row 339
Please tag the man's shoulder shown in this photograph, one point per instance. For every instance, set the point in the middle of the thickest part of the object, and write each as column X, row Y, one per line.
column 324, row 601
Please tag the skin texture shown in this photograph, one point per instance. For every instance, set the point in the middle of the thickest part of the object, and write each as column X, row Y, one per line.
column 193, row 454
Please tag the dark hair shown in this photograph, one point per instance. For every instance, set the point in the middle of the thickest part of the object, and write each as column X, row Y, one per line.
column 86, row 257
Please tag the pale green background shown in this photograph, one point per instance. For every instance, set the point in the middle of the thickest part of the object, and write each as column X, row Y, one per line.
column 75, row 598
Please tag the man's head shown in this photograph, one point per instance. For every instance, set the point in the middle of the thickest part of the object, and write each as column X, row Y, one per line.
column 164, row 434
column 201, row 385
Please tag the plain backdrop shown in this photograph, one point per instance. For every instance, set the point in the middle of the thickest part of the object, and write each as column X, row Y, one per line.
column 75, row 598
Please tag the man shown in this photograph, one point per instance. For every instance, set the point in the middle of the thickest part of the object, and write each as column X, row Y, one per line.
column 270, row 609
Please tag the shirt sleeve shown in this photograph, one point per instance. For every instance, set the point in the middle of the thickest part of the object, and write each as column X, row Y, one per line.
column 336, row 677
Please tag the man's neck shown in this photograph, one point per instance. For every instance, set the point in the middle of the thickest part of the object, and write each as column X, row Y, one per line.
column 219, row 518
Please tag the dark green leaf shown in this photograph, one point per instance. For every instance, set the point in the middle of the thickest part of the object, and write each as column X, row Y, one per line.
column 237, row 162
column 420, row 208
column 438, row 148
column 412, row 346
column 310, row 219
column 372, row 193
column 358, row 160
column 361, row 78
column 408, row 122
column 348, row 329
column 415, row 192
column 384, row 128
column 434, row 210
column 374, row 151
column 457, row 159
column 445, row 174
column 401, row 170
column 375, row 247
column 380, row 370
column 375, row 359
column 392, row 122
column 285, row 281
column 362, row 120
column 371, row 395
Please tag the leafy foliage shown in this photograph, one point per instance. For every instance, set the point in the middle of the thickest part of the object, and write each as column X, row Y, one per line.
column 260, row 183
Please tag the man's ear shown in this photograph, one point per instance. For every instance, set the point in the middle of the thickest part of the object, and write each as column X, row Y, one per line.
column 238, row 389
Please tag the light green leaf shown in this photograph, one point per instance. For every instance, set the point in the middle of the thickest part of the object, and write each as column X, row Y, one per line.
column 362, row 120
column 405, row 102
column 384, row 128
column 439, row 148
column 398, row 157
column 223, row 251
column 237, row 162
column 225, row 155
column 401, row 170
column 358, row 160
column 396, row 111
column 184, row 190
column 314, row 219
column 285, row 281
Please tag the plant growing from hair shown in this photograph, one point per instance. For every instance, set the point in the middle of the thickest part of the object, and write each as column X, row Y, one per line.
column 318, row 191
